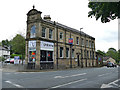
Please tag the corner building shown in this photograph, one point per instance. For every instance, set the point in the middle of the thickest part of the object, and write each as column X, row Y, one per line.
column 47, row 44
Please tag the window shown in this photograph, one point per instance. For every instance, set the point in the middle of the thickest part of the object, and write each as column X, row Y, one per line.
column 90, row 44
column 81, row 54
column 50, row 33
column 61, row 35
column 86, row 43
column 67, row 52
column 43, row 32
column 93, row 55
column 33, row 31
column 87, row 54
column 61, row 51
column 72, row 53
column 84, row 53
column 82, row 41
column 90, row 54
column 77, row 40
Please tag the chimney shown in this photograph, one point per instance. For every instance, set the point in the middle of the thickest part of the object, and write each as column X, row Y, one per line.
column 47, row 17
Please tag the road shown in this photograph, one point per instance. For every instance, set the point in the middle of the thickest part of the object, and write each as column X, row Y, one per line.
column 101, row 77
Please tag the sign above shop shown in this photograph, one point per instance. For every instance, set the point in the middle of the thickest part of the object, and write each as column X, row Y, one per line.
column 46, row 46
column 32, row 43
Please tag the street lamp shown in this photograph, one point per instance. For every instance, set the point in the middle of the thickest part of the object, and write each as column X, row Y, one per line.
column 81, row 50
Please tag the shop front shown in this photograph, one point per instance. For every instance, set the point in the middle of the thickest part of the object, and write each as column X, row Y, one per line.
column 31, row 54
column 46, row 56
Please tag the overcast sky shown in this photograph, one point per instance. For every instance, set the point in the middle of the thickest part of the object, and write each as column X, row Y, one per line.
column 73, row 13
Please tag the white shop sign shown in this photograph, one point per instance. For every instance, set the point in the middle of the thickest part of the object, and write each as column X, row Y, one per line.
column 46, row 46
column 32, row 43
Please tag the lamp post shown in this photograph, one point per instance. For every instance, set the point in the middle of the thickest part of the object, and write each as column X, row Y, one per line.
column 81, row 50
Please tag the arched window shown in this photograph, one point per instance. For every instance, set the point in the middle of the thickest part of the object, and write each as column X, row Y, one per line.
column 33, row 31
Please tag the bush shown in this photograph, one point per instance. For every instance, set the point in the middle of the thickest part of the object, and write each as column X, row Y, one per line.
column 2, row 58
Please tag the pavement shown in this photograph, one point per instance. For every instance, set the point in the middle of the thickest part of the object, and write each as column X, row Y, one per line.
column 101, row 77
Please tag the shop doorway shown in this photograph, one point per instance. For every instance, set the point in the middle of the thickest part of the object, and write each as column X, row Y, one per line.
column 46, row 59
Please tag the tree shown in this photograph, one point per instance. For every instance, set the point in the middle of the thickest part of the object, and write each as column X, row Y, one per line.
column 112, row 53
column 18, row 45
column 5, row 43
column 101, row 52
column 105, row 10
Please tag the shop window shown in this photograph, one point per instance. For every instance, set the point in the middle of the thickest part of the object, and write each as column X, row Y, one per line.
column 67, row 52
column 61, row 35
column 43, row 32
column 32, row 56
column 50, row 33
column 33, row 32
column 61, row 51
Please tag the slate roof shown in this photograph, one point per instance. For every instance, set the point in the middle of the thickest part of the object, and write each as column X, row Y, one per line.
column 68, row 28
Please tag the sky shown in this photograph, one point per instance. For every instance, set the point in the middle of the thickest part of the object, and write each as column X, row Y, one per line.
column 73, row 13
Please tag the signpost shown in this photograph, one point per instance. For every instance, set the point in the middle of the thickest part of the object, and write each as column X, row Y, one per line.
column 70, row 42
column 16, row 59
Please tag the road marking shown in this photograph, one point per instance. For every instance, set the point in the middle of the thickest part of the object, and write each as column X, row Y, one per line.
column 103, row 74
column 19, row 86
column 69, row 83
column 69, row 76
column 110, row 84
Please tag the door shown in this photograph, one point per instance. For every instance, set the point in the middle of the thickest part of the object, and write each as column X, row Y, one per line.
column 78, row 60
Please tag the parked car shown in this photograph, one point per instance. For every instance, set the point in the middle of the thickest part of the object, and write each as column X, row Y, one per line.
column 12, row 60
column 7, row 60
column 110, row 64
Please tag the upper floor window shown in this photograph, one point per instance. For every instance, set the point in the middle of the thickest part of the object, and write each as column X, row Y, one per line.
column 86, row 43
column 32, row 32
column 50, row 33
column 61, row 35
column 43, row 32
column 77, row 40
column 90, row 44
column 82, row 42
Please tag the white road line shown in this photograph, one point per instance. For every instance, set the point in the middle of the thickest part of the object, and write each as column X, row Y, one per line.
column 69, row 83
column 110, row 84
column 103, row 74
column 69, row 76
column 19, row 86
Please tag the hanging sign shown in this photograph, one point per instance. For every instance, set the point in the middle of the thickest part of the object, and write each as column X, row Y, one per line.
column 70, row 41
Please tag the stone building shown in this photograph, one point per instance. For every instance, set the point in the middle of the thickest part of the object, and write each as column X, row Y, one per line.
column 48, row 44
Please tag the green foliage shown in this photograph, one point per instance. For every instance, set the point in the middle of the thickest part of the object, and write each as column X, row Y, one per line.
column 112, row 53
column 105, row 10
column 12, row 56
column 101, row 52
column 18, row 44
column 2, row 58
column 5, row 43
